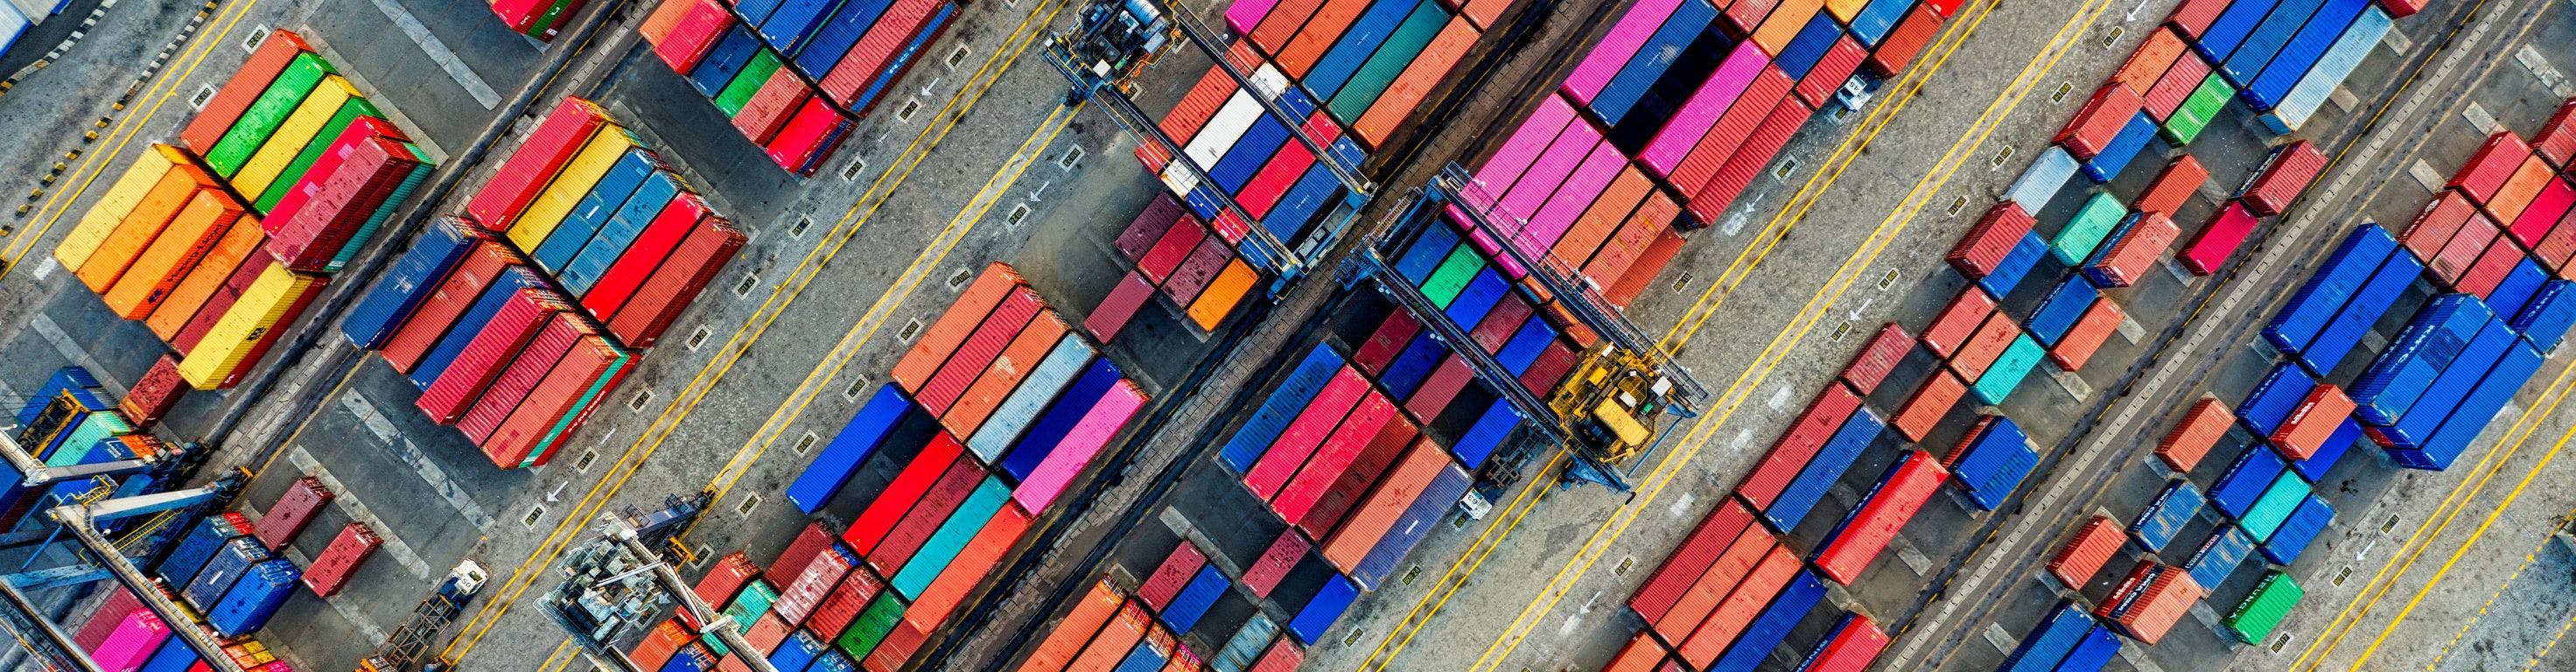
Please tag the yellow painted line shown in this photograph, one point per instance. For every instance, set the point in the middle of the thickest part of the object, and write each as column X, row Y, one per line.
column 877, row 314
column 2465, row 625
column 2534, row 663
column 336, row 390
column 2462, row 549
column 529, row 571
column 94, row 164
column 2067, row 37
column 1486, row 542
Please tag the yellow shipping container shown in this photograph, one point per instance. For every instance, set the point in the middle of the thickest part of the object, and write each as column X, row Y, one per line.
column 293, row 135
column 112, row 207
column 142, row 225
column 575, row 181
column 239, row 242
column 259, row 310
column 1844, row 10
column 162, row 265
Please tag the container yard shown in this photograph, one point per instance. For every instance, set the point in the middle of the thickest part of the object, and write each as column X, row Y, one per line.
column 1267, row 335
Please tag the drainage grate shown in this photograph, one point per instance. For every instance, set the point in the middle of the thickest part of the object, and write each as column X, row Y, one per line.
column 1886, row 281
column 1072, row 157
column 2063, row 88
column 2341, row 575
column 204, row 93
column 910, row 329
column 856, row 386
column 1354, row 638
column 698, row 338
column 2114, row 36
column 748, row 505
column 2001, row 156
column 959, row 55
column 909, row 107
column 535, row 514
column 638, row 401
column 1018, row 213
column 805, row 443
column 850, row 173
column 2284, row 640
column 1682, row 281
column 583, row 463
column 1625, row 564
column 1961, row 203
column 798, row 229
column 1786, row 167
column 258, row 36
column 1844, row 330
column 1410, row 574
column 959, row 279
column 749, row 280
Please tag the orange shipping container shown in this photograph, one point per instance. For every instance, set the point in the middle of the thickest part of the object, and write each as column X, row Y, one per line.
column 2149, row 62
column 158, row 270
column 1223, row 294
column 1929, row 403
column 1786, row 20
column 113, row 204
column 962, row 575
column 1731, row 617
column 2518, row 190
column 1414, row 85
column 1485, row 12
column 1641, row 654
column 141, row 226
column 1113, row 643
column 225, row 107
column 240, row 241
column 1981, row 349
column 1074, row 630
column 963, row 316
column 1318, row 36
column 1602, row 219
column 1715, row 584
column 997, row 380
column 1369, row 521
column 1275, row 29
column 1668, row 243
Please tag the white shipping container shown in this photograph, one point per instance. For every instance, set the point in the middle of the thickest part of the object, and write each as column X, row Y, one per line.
column 2320, row 83
column 1057, row 370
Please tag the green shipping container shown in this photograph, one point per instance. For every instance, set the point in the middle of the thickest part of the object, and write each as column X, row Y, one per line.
column 266, row 112
column 2197, row 111
column 2275, row 506
column 738, row 92
column 1391, row 58
column 1452, row 276
column 746, row 609
column 2263, row 610
column 951, row 538
column 870, row 628
column 375, row 222
column 294, row 173
column 2086, row 230
column 552, row 18
column 2009, row 369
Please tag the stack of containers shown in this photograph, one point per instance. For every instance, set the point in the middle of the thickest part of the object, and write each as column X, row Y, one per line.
column 2354, row 287
column 1709, row 593
column 1175, row 256
column 1037, row 406
column 1572, row 194
column 227, row 575
column 1236, row 151
column 1369, row 69
column 2441, row 381
column 1986, row 352
column 793, row 75
column 2141, row 239
column 1991, row 460
column 515, row 323
column 1107, row 629
column 1850, row 646
column 2284, row 64
column 540, row 19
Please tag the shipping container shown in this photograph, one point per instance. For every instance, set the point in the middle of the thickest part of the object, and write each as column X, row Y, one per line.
column 2050, row 641
column 1833, row 457
column 1850, row 646
column 1866, row 531
column 2093, row 546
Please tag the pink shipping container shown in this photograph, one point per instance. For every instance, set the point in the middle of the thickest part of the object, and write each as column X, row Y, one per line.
column 1088, row 437
column 1701, row 111
column 1527, row 141
column 488, row 354
column 1306, row 431
column 1549, row 223
column 2282, row 178
column 535, row 162
column 1553, row 167
column 1158, row 588
column 1283, row 554
column 1876, row 522
column 1242, row 17
column 2544, row 212
column 1616, row 48
column 136, row 636
column 2217, row 240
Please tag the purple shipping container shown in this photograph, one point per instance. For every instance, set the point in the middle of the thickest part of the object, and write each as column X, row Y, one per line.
column 1085, row 441
column 1615, row 49
column 1700, row 113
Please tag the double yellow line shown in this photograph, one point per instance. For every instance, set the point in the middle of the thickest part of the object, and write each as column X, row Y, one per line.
column 123, row 132
column 529, row 571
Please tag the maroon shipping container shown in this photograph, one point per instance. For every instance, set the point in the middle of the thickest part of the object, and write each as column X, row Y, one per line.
column 1122, row 304
column 675, row 283
column 2492, row 165
column 1931, row 401
column 110, row 613
column 1717, row 531
column 221, row 301
column 801, row 551
column 2440, row 219
column 444, row 306
column 535, row 162
column 2175, row 87
column 1158, row 588
column 1169, row 250
column 1283, row 554
column 487, row 354
column 1748, row 162
column 154, row 394
column 1906, row 41
column 521, row 375
column 843, row 605
column 1500, row 322
column 2282, row 178
column 1957, row 322
column 340, row 205
column 1828, row 75
column 294, row 510
column 519, row 437
column 1990, row 240
column 821, row 573
column 979, row 349
column 1879, row 358
column 1388, row 340
column 1355, row 480
column 2173, row 187
column 341, row 559
column 724, row 578
column 924, row 517
column 1550, row 369
column 1148, row 227
column 2099, row 121
column 1824, row 414
column 2083, row 556
column 1442, row 387
column 2194, row 16
column 1198, row 270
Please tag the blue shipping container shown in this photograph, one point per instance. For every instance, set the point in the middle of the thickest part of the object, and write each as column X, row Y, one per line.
column 2061, row 310
column 2361, row 314
column 724, row 61
column 1995, row 464
column 2049, row 643
column 2166, row 516
column 2231, row 28
column 2042, row 180
column 2303, row 526
column 1684, row 26
column 471, row 324
column 2124, row 148
column 1526, row 345
column 1827, row 466
column 1319, row 613
column 1809, row 47
column 2316, row 302
column 2518, row 287
column 1428, row 508
column 1874, row 21
column 200, row 545
column 2447, row 390
column 1060, row 418
column 2302, row 52
column 2095, row 651
column 794, row 20
column 255, row 598
column 2245, row 480
column 1359, row 41
column 2338, row 443
column 227, row 566
column 2545, row 320
column 2015, row 265
column 2273, row 399
column 2474, row 412
column 1194, row 600
column 1477, row 298
column 2319, row 84
column 373, row 321
column 2218, row 556
column 833, row 465
column 837, row 34
column 1772, row 627
column 1266, row 423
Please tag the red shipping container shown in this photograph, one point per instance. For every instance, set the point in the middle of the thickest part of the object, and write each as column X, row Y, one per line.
column 1989, row 343
column 1642, row 654
column 2173, row 187
column 2314, row 420
column 1354, row 481
column 1321, row 414
column 2494, row 163
column 2218, row 239
column 806, row 548
column 1732, row 616
column 2492, row 265
column 1806, row 435
column 2556, row 141
column 2546, row 209
column 341, row 559
column 2433, row 227
column 1709, row 589
column 818, row 574
column 676, row 283
column 2099, row 121
column 1550, row 369
column 2148, row 64
column 1148, row 226
column 1716, row 532
column 316, row 219
column 896, row 649
column 1124, row 301
column 909, row 486
column 1283, row 554
column 1168, row 251
column 103, row 622
column 1990, row 240
column 1733, row 128
column 498, row 204
column 487, row 354
column 340, row 150
column 2083, row 556
column 1283, row 656
column 2463, row 249
column 2520, row 190
column 1929, row 403
column 1500, row 322
column 294, row 510
column 2169, row 92
column 1446, row 381
column 843, row 605
column 725, row 577
column 1639, row 275
column 693, row 32
column 963, row 317
column 1877, row 359
column 769, row 107
column 978, row 350
column 2283, row 177
column 443, row 307
column 1957, row 322
column 1336, row 454
column 1748, row 162
column 660, row 643
column 1898, row 496
column 1852, row 649
column 1906, row 41
column 154, row 394
column 229, row 102
column 1368, row 522
column 813, row 132
column 983, row 553
column 2194, row 16
column 2192, row 437
column 2090, row 332
column 876, row 49
column 914, row 529
column 1745, row 15
column 520, row 378
column 2556, row 249
column 659, row 239
column 1158, row 588
column 520, row 436
column 2163, row 603
column 1197, row 270
column 221, row 301
column 1829, row 73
